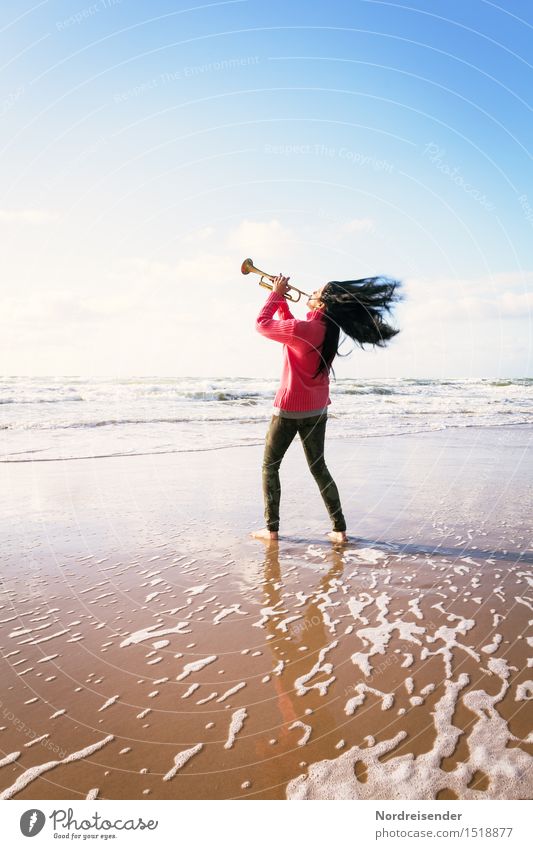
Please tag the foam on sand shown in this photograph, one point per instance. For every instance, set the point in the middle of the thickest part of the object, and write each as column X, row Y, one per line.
column 195, row 666
column 109, row 702
column 36, row 740
column 380, row 635
column 449, row 637
column 231, row 691
column 190, row 691
column 150, row 633
column 387, row 699
column 192, row 591
column 35, row 771
column 236, row 724
column 300, row 685
column 421, row 777
column 181, row 759
column 227, row 611
column 9, row 758
column 208, row 698
column 307, row 729
column 524, row 691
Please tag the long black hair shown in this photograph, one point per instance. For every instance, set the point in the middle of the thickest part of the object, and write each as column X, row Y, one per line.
column 356, row 307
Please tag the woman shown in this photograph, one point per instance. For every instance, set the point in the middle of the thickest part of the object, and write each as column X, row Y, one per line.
column 301, row 402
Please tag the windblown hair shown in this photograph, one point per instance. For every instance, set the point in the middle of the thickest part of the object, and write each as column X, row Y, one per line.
column 356, row 307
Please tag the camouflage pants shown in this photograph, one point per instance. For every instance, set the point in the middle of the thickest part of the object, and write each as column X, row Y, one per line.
column 312, row 432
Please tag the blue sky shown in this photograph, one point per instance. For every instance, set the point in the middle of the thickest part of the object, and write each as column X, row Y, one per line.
column 149, row 147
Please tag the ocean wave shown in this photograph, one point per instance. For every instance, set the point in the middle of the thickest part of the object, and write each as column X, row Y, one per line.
column 41, row 400
column 369, row 390
column 114, row 422
column 251, row 443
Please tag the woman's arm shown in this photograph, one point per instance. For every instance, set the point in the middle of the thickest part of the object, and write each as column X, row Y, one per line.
column 284, row 309
column 284, row 331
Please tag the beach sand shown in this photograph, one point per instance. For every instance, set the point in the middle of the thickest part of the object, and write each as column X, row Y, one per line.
column 152, row 649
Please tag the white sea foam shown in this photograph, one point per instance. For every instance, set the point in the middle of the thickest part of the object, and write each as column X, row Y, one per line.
column 190, row 691
column 284, row 624
column 387, row 699
column 144, row 713
column 306, row 729
column 9, row 759
column 231, row 691
column 195, row 666
column 227, row 611
column 35, row 771
column 380, row 635
column 181, row 759
column 191, row 414
column 208, row 698
column 524, row 691
column 149, row 633
column 449, row 637
column 108, row 703
column 192, row 591
column 421, row 776
column 235, row 726
column 300, row 685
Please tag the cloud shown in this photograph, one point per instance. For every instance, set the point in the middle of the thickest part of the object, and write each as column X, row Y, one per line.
column 261, row 238
column 196, row 315
column 517, row 304
column 358, row 225
column 197, row 236
column 447, row 300
column 28, row 216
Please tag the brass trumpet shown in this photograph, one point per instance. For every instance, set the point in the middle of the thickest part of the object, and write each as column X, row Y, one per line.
column 248, row 266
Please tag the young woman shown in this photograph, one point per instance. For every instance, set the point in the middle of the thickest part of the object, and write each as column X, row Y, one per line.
column 301, row 402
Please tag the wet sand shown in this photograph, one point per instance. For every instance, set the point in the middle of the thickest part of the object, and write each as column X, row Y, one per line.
column 151, row 649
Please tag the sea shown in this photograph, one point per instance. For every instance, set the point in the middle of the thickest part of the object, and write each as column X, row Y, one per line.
column 70, row 417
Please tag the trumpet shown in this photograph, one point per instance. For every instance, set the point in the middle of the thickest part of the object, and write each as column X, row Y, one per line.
column 248, row 266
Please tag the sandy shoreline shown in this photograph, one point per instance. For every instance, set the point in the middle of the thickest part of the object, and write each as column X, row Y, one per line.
column 123, row 575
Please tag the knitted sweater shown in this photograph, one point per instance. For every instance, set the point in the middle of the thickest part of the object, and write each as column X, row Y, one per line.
column 301, row 354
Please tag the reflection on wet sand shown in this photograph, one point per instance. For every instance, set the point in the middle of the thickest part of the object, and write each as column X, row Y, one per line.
column 294, row 655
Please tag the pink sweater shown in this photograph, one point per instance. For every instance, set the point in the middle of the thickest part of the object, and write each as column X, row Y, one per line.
column 301, row 346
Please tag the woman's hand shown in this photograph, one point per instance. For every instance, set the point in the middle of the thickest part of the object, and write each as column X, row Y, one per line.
column 280, row 284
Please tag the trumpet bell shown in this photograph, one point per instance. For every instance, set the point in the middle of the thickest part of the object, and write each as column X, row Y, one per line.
column 247, row 266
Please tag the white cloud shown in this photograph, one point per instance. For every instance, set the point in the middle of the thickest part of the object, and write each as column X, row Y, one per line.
column 197, row 236
column 517, row 304
column 196, row 315
column 27, row 216
column 358, row 225
column 497, row 296
column 259, row 238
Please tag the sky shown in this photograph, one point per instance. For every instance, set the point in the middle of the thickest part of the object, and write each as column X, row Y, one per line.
column 149, row 147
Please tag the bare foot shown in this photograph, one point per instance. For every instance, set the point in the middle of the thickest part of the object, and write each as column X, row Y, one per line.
column 265, row 534
column 338, row 536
